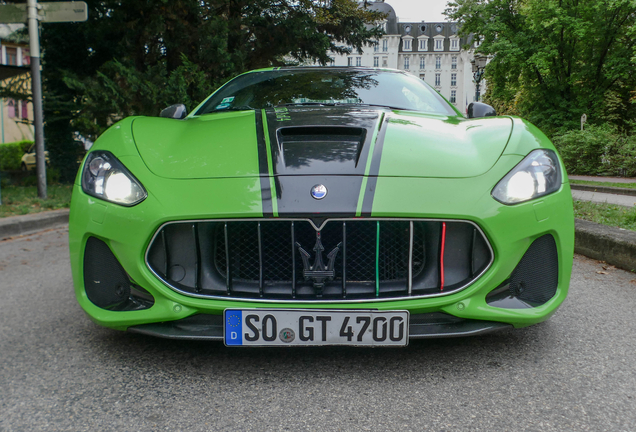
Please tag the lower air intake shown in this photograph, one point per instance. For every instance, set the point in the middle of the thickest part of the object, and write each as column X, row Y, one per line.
column 535, row 279
column 106, row 283
column 344, row 259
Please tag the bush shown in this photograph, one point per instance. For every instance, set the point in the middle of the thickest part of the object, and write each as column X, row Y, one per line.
column 598, row 150
column 11, row 154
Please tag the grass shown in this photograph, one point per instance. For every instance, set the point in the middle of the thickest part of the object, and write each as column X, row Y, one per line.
column 606, row 214
column 598, row 183
column 20, row 200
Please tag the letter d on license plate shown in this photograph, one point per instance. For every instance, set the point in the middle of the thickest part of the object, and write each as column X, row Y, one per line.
column 286, row 327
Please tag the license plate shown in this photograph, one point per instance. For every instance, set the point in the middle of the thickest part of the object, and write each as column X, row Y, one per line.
column 288, row 327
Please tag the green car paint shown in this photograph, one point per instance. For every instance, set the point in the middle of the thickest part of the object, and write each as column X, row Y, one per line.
column 431, row 166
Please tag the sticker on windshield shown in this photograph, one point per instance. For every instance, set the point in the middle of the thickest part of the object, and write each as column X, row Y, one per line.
column 227, row 100
column 222, row 106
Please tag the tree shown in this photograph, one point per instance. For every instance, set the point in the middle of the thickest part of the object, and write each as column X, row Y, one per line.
column 136, row 57
column 553, row 60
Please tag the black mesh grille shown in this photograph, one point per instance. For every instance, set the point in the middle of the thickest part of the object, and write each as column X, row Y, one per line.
column 284, row 259
column 106, row 283
column 536, row 277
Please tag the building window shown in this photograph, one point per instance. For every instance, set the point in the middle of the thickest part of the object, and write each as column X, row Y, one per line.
column 438, row 62
column 454, row 62
column 454, row 46
column 376, row 47
column 332, row 61
column 407, row 63
column 439, row 44
column 453, row 79
column 407, row 45
column 349, row 61
column 12, row 56
column 358, row 61
column 25, row 110
column 11, row 108
column 385, row 45
column 438, row 80
column 453, row 97
column 376, row 61
column 423, row 45
column 385, row 62
column 422, row 62
column 422, row 76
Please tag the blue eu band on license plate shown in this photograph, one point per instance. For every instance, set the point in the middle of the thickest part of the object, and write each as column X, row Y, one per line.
column 288, row 327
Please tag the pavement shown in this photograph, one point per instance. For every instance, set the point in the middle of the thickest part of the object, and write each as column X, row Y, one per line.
column 603, row 197
column 613, row 245
column 603, row 179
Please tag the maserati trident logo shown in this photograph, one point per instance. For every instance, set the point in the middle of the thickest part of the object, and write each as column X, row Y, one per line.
column 319, row 273
column 319, row 191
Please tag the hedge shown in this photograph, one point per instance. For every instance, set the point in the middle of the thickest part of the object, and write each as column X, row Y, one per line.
column 11, row 154
column 598, row 151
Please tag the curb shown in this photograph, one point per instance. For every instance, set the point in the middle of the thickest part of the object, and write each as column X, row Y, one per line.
column 604, row 189
column 20, row 225
column 615, row 246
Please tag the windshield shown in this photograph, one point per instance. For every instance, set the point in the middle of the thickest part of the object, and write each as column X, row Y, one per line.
column 267, row 89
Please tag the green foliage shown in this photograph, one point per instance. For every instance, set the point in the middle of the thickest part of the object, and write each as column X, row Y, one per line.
column 598, row 150
column 139, row 56
column 11, row 154
column 19, row 200
column 553, row 60
column 606, row 214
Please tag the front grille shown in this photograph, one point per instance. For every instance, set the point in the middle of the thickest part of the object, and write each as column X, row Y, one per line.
column 343, row 260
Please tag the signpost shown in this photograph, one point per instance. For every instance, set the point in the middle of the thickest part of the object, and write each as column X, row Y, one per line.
column 33, row 12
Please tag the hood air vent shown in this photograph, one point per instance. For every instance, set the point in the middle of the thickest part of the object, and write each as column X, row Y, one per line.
column 330, row 150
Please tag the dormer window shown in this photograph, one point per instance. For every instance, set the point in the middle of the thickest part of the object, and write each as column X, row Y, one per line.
column 454, row 44
column 439, row 44
column 406, row 44
column 422, row 44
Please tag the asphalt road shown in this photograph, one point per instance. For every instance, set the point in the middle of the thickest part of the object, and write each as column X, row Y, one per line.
column 59, row 371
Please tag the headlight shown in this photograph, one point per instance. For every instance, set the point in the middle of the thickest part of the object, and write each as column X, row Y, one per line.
column 538, row 174
column 106, row 178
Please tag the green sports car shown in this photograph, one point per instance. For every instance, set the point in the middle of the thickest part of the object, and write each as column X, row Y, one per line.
column 321, row 206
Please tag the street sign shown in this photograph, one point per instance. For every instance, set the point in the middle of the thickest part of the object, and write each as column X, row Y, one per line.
column 73, row 11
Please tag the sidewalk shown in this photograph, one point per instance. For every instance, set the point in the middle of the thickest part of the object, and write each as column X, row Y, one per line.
column 21, row 225
column 601, row 197
column 603, row 179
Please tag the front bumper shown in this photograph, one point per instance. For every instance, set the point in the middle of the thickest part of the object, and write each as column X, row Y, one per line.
column 510, row 231
column 422, row 326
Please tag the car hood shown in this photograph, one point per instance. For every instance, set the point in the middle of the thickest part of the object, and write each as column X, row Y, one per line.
column 320, row 141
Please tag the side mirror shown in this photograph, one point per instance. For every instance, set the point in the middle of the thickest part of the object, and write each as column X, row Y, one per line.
column 478, row 109
column 176, row 111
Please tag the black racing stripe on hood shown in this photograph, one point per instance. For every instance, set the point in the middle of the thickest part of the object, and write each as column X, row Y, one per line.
column 319, row 146
column 266, row 193
column 374, row 171
column 320, row 140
